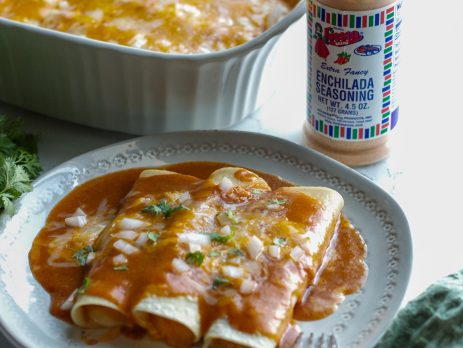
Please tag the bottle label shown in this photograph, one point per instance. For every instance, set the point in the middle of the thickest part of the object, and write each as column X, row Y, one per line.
column 352, row 71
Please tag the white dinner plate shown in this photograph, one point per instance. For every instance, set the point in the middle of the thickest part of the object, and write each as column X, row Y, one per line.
column 359, row 322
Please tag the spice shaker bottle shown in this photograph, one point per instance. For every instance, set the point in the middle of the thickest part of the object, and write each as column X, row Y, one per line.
column 353, row 53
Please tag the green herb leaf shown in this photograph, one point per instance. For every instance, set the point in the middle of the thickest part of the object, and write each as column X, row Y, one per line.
column 218, row 282
column 14, row 181
column 81, row 255
column 221, row 239
column 256, row 191
column 84, row 286
column 195, row 258
column 279, row 241
column 214, row 253
column 11, row 131
column 235, row 252
column 19, row 163
column 153, row 236
column 231, row 216
column 278, row 201
column 163, row 208
column 29, row 161
column 121, row 268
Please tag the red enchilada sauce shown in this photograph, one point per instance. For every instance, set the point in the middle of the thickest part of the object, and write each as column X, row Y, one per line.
column 343, row 274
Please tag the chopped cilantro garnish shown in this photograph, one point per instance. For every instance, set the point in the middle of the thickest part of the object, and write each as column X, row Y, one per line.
column 81, row 255
column 278, row 201
column 218, row 281
column 221, row 239
column 235, row 252
column 214, row 253
column 121, row 268
column 231, row 216
column 84, row 286
column 153, row 236
column 279, row 241
column 256, row 191
column 195, row 258
column 163, row 208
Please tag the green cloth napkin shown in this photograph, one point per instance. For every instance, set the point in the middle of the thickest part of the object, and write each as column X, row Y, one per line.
column 433, row 320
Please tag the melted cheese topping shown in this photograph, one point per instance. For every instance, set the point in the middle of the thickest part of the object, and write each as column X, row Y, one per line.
column 176, row 26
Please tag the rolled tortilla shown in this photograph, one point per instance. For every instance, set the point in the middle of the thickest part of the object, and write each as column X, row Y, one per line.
column 97, row 308
column 278, row 314
column 167, row 317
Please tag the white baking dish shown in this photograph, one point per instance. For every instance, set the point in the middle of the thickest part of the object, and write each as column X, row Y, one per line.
column 126, row 89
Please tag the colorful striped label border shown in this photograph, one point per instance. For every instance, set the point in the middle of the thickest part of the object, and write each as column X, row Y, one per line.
column 349, row 20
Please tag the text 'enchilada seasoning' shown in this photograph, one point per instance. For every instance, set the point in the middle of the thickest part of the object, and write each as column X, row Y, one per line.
column 353, row 52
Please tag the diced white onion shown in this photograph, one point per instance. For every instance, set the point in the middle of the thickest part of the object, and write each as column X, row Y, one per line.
column 79, row 212
column 226, row 184
column 193, row 247
column 195, row 238
column 119, row 260
column 307, row 246
column 236, row 260
column 255, row 247
column 125, row 247
column 307, row 261
column 69, row 302
column 126, row 234
column 253, row 267
column 130, row 224
column 76, row 221
column 232, row 271
column 185, row 196
column 248, row 286
column 210, row 300
column 226, row 229
column 274, row 251
column 90, row 257
column 141, row 240
column 274, row 207
column 296, row 253
column 230, row 292
column 180, row 265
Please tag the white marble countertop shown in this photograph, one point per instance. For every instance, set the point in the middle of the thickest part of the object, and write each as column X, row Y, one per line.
column 423, row 172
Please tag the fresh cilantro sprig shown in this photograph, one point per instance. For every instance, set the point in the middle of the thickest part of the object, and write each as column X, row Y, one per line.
column 14, row 181
column 81, row 255
column 19, row 163
column 280, row 241
column 153, row 236
column 220, row 238
column 163, row 208
column 278, row 201
column 219, row 282
column 195, row 259
column 235, row 252
column 84, row 287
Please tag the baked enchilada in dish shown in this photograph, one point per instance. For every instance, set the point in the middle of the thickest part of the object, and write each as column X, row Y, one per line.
column 198, row 253
column 174, row 26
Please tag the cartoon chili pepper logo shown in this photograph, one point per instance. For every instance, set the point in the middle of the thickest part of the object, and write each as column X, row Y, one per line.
column 343, row 58
column 320, row 45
